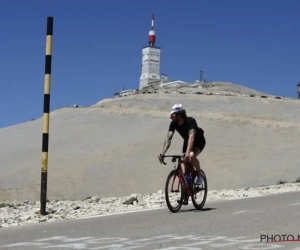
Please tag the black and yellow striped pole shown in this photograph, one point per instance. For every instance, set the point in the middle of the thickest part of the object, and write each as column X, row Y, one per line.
column 45, row 142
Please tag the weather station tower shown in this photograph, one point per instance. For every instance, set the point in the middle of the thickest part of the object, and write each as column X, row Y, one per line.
column 150, row 61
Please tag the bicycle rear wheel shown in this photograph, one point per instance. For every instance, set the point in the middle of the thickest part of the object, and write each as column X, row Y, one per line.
column 174, row 191
column 198, row 191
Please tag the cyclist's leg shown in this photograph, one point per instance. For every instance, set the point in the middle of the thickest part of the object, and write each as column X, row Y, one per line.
column 198, row 148
column 188, row 167
column 194, row 163
column 194, row 159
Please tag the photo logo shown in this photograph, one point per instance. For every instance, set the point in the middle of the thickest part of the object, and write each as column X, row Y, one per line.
column 265, row 238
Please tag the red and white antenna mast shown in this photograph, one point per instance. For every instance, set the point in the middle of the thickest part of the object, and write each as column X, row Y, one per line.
column 152, row 33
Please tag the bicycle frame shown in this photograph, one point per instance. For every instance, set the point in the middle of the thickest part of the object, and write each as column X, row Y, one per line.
column 180, row 172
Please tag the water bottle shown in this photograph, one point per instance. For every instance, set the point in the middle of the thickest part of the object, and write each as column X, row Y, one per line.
column 189, row 179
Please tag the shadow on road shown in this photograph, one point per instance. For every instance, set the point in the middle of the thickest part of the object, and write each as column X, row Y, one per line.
column 195, row 210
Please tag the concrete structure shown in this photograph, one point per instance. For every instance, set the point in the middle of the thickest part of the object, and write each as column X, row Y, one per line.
column 164, row 78
column 173, row 84
column 298, row 90
column 150, row 61
column 124, row 92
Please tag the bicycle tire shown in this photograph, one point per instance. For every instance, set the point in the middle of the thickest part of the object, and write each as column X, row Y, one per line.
column 200, row 206
column 167, row 197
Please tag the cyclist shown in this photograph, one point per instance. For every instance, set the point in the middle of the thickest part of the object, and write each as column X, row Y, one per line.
column 193, row 139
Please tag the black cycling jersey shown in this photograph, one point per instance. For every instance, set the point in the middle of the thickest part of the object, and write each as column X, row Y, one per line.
column 183, row 130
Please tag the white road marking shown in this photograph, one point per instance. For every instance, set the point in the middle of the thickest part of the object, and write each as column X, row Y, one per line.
column 126, row 212
column 150, row 209
column 295, row 204
column 157, row 208
column 183, row 242
column 246, row 211
column 239, row 212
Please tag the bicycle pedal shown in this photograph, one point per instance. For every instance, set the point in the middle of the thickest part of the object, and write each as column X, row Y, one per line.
column 185, row 202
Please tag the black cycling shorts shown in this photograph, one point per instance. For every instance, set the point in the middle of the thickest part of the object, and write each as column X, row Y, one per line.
column 199, row 143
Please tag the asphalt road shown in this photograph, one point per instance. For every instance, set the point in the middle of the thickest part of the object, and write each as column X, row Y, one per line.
column 236, row 224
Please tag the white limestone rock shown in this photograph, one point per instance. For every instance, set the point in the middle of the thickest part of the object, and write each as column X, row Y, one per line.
column 28, row 212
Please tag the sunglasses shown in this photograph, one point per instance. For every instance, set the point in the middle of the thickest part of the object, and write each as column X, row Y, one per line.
column 173, row 115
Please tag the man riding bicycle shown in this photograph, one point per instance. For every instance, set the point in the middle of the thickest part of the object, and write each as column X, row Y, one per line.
column 193, row 139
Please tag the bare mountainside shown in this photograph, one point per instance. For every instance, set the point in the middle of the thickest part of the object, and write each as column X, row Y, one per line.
column 111, row 148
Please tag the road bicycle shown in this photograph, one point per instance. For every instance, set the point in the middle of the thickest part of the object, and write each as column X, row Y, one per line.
column 187, row 190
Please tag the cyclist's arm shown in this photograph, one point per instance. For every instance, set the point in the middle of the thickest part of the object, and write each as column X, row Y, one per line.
column 167, row 142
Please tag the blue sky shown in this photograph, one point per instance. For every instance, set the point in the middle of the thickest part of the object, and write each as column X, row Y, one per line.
column 97, row 48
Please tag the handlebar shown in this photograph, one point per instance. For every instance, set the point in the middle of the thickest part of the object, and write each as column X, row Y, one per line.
column 174, row 157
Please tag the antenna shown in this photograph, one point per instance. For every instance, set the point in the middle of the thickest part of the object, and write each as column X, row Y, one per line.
column 201, row 75
column 152, row 33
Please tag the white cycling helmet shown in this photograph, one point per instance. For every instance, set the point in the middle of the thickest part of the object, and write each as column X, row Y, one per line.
column 176, row 108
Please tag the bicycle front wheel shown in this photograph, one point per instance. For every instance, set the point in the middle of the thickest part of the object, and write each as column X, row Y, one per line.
column 199, row 192
column 174, row 191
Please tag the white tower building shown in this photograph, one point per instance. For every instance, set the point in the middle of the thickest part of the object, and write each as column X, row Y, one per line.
column 150, row 61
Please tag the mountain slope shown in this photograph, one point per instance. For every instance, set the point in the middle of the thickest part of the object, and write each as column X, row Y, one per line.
column 111, row 148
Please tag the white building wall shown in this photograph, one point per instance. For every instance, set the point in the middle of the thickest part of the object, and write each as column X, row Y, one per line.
column 127, row 92
column 173, row 84
column 150, row 66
